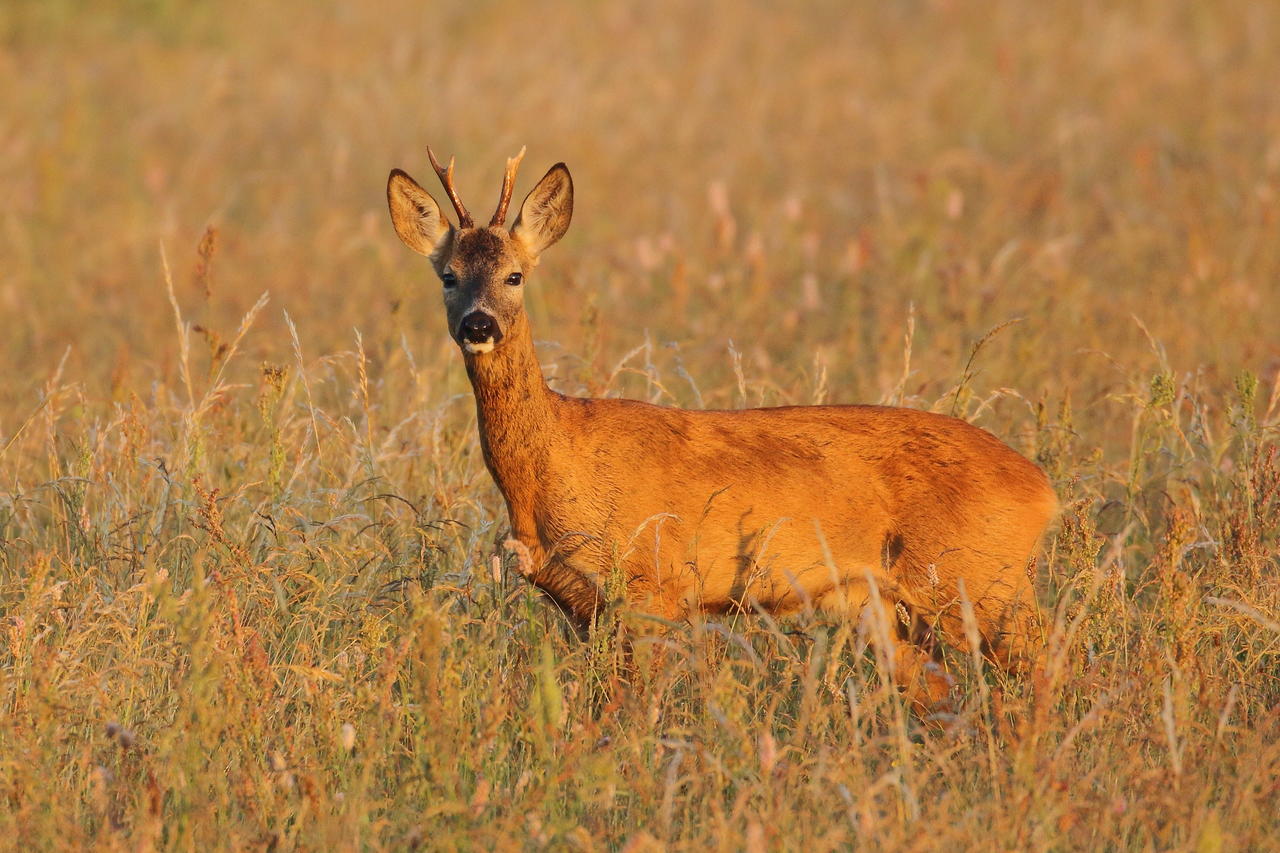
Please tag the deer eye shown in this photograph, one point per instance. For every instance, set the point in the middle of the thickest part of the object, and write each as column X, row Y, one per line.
column 514, row 279
column 449, row 279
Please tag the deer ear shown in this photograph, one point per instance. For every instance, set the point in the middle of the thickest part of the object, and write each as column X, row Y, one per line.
column 419, row 221
column 545, row 212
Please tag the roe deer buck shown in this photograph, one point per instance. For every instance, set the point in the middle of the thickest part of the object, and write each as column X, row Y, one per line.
column 831, row 507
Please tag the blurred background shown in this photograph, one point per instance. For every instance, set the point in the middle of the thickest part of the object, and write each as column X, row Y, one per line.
column 252, row 588
column 796, row 180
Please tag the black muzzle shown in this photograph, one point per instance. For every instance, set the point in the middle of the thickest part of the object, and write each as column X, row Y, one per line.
column 479, row 328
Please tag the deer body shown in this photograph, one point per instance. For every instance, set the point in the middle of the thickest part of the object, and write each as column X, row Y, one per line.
column 829, row 507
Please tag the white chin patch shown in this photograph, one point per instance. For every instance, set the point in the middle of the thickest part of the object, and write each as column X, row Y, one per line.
column 483, row 346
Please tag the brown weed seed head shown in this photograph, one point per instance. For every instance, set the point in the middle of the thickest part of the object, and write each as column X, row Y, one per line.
column 203, row 272
column 122, row 736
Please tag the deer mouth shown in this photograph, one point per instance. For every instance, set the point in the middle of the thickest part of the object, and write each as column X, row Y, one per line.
column 476, row 347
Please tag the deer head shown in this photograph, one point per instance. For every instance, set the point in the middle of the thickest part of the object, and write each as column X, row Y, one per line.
column 482, row 269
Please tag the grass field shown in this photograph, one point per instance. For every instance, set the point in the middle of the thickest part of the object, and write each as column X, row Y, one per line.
column 252, row 588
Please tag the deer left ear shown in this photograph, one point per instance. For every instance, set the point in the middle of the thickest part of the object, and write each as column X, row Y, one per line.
column 545, row 212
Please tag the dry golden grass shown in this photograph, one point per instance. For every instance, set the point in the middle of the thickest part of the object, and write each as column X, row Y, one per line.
column 251, row 582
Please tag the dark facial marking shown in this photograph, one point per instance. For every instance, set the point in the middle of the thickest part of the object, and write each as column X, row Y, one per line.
column 479, row 251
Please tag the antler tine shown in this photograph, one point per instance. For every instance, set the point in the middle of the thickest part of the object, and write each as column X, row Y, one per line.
column 508, row 184
column 446, row 178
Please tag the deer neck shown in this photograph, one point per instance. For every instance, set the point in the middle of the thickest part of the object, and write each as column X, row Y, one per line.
column 515, row 411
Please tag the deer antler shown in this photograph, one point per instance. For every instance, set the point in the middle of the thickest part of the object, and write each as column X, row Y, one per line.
column 446, row 178
column 508, row 184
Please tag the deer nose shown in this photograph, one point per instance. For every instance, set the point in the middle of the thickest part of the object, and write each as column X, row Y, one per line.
column 478, row 328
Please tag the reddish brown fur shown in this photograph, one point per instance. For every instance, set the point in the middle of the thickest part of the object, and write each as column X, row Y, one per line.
column 829, row 507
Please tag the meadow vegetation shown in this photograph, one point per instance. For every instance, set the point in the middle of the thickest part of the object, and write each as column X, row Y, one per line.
column 253, row 593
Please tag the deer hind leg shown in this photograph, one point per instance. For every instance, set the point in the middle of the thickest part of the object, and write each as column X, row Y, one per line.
column 1009, row 623
column 907, row 645
column 918, row 667
column 1015, row 637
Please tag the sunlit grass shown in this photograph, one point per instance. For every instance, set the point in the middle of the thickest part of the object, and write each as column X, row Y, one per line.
column 253, row 589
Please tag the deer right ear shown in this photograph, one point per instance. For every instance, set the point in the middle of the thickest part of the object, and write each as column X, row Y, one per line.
column 546, row 211
column 419, row 221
